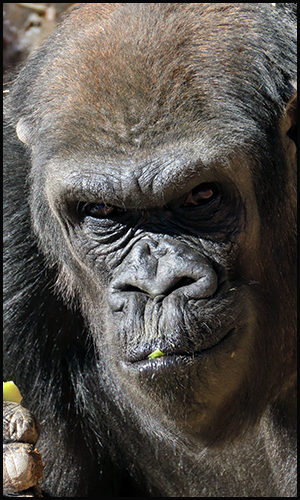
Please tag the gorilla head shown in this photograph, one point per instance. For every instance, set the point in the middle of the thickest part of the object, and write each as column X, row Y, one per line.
column 162, row 190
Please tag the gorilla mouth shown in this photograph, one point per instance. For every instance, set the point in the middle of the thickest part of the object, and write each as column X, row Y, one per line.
column 173, row 355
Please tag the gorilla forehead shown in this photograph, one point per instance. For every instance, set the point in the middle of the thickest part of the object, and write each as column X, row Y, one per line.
column 151, row 81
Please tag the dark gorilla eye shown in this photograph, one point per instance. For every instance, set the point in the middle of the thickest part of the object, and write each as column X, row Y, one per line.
column 201, row 194
column 99, row 210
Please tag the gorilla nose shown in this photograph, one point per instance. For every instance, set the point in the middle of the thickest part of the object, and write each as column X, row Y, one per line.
column 161, row 268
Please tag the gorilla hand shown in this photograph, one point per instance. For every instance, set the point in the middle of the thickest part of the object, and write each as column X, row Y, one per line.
column 22, row 463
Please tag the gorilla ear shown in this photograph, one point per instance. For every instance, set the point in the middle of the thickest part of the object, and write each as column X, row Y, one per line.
column 22, row 130
column 289, row 128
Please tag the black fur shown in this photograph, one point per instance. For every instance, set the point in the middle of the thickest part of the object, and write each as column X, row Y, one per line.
column 132, row 107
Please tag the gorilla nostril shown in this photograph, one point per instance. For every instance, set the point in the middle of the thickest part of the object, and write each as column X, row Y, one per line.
column 180, row 283
column 165, row 288
column 132, row 288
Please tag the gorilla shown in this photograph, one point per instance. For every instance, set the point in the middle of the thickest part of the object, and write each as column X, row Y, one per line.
column 150, row 249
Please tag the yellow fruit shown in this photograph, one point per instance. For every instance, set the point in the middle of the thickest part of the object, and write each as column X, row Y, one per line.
column 11, row 392
column 156, row 354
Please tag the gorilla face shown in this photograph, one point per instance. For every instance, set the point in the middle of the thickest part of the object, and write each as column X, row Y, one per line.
column 157, row 264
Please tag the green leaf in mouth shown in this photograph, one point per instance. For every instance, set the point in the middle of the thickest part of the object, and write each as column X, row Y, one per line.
column 156, row 354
